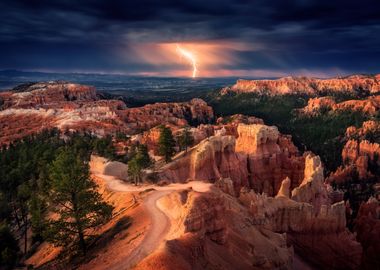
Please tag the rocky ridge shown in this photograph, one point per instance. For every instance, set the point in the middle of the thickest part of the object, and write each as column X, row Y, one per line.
column 369, row 105
column 306, row 85
column 74, row 107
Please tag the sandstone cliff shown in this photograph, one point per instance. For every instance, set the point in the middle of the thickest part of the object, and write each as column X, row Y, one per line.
column 259, row 158
column 214, row 231
column 370, row 105
column 271, row 157
column 360, row 156
column 47, row 95
column 315, row 226
column 360, row 159
column 210, row 160
column 312, row 86
column 76, row 107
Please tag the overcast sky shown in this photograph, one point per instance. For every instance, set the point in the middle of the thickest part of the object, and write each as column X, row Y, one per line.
column 229, row 38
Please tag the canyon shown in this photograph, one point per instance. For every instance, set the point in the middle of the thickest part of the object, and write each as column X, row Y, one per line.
column 241, row 196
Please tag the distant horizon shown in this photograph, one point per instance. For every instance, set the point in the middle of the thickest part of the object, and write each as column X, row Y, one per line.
column 88, row 73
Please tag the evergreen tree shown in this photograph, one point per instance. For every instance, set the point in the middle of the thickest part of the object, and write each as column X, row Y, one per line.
column 185, row 139
column 139, row 161
column 23, row 196
column 74, row 199
column 37, row 216
column 166, row 143
column 8, row 248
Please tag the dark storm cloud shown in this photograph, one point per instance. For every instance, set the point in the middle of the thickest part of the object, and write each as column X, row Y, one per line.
column 285, row 35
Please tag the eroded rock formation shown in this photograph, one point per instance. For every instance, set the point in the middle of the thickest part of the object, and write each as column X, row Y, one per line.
column 360, row 156
column 271, row 157
column 360, row 159
column 367, row 227
column 260, row 158
column 76, row 107
column 370, row 105
column 210, row 160
column 312, row 86
column 315, row 226
column 214, row 231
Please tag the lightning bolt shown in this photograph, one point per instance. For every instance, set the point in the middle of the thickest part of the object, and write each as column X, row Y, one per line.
column 190, row 57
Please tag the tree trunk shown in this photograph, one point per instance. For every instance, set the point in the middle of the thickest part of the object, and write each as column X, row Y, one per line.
column 82, row 243
column 26, row 236
column 16, row 216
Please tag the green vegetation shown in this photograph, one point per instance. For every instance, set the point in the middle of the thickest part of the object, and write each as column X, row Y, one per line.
column 27, row 182
column 357, row 191
column 373, row 136
column 9, row 250
column 324, row 133
column 74, row 199
column 273, row 109
column 185, row 139
column 166, row 143
column 139, row 160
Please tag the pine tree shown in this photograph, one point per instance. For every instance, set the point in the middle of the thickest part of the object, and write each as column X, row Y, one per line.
column 166, row 143
column 23, row 197
column 8, row 248
column 139, row 161
column 79, row 207
column 185, row 139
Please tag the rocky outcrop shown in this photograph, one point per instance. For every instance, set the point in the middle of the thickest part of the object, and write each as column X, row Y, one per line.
column 260, row 158
column 100, row 165
column 210, row 160
column 367, row 129
column 214, row 231
column 284, row 189
column 360, row 156
column 74, row 107
column 271, row 157
column 317, row 105
column 315, row 226
column 230, row 123
column 207, row 216
column 47, row 95
column 311, row 189
column 370, row 105
column 305, row 85
column 226, row 185
column 367, row 227
column 179, row 114
column 257, row 139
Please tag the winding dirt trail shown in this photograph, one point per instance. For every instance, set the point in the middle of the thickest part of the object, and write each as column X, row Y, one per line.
column 160, row 222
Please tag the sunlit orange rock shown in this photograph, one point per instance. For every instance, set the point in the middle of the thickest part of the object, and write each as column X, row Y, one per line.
column 74, row 107
column 271, row 157
column 306, row 85
column 370, row 105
